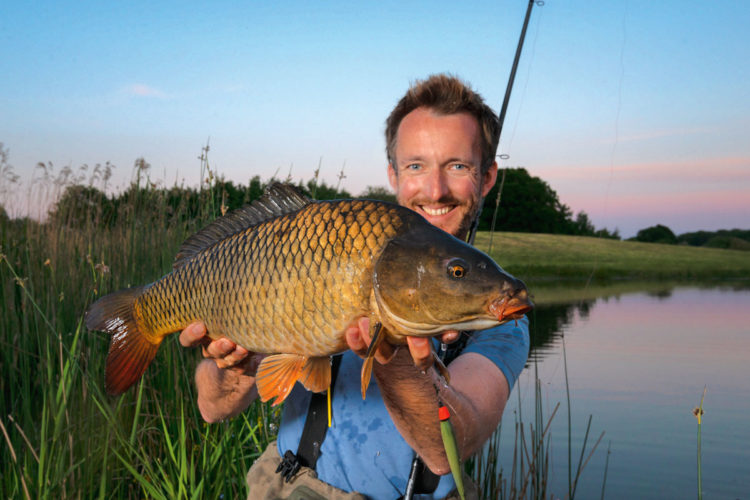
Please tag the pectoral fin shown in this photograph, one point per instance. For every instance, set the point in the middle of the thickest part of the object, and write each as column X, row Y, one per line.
column 277, row 374
column 377, row 338
column 316, row 374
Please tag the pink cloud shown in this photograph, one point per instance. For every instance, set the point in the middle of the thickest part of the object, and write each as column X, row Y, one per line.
column 676, row 203
column 720, row 169
column 142, row 90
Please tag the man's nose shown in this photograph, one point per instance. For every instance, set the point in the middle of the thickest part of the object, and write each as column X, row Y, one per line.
column 436, row 185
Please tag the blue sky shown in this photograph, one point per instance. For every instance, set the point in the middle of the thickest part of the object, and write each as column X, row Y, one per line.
column 636, row 112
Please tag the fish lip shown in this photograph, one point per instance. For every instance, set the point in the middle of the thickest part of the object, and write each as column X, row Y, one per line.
column 505, row 309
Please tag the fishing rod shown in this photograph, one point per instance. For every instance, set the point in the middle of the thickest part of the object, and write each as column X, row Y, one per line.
column 501, row 119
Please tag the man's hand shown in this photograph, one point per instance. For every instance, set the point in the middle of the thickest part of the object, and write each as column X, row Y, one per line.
column 226, row 378
column 223, row 351
column 420, row 348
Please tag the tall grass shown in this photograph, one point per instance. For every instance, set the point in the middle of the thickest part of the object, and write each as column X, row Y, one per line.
column 528, row 473
column 698, row 413
column 62, row 436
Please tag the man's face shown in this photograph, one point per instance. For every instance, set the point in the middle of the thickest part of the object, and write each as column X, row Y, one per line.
column 437, row 170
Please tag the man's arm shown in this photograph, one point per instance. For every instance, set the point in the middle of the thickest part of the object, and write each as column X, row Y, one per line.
column 476, row 396
column 226, row 378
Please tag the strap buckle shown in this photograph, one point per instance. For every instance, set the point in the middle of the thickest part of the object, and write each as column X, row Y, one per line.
column 289, row 466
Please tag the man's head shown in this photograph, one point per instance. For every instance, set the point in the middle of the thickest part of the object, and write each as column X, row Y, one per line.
column 441, row 141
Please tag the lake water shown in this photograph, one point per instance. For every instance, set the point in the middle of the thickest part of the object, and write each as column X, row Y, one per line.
column 638, row 362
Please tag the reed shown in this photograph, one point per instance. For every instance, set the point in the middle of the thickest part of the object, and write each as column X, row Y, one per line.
column 62, row 437
column 698, row 413
column 528, row 474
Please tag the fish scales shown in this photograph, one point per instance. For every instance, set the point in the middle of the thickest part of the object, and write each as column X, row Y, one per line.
column 286, row 276
column 269, row 290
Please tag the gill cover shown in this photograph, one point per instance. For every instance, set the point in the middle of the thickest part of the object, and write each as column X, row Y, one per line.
column 427, row 281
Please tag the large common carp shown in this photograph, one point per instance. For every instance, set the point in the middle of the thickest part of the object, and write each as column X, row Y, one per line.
column 286, row 276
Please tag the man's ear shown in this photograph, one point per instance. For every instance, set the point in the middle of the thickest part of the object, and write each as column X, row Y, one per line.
column 489, row 178
column 393, row 177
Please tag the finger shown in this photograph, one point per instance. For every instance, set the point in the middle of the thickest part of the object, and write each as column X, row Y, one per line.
column 192, row 335
column 355, row 341
column 450, row 336
column 364, row 326
column 357, row 337
column 219, row 348
column 421, row 351
column 231, row 360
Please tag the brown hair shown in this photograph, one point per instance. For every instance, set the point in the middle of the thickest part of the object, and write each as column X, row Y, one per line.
column 445, row 95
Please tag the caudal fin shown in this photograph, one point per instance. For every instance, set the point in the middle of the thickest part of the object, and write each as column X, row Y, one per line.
column 130, row 351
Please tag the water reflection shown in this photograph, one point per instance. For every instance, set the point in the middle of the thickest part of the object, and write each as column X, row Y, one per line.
column 637, row 359
column 549, row 322
column 557, row 307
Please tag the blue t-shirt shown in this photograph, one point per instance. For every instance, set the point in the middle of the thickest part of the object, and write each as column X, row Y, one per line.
column 363, row 451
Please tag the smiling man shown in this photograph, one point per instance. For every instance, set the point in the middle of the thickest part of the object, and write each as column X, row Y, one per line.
column 438, row 166
column 441, row 140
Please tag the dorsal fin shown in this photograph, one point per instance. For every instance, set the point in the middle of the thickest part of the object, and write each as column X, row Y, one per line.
column 278, row 199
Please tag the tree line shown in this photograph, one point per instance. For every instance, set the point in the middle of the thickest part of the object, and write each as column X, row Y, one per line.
column 527, row 204
column 733, row 239
column 518, row 202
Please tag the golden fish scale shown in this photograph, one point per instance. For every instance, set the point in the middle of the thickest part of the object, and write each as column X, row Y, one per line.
column 291, row 284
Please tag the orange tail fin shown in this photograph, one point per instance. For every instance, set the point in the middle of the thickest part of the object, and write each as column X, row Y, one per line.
column 130, row 351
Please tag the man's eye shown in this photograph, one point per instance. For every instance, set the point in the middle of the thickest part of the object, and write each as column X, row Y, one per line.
column 460, row 166
column 413, row 166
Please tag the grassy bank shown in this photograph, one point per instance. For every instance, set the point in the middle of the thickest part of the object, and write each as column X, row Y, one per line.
column 548, row 257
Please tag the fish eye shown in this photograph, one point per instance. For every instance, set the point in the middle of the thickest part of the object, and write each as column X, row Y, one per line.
column 457, row 269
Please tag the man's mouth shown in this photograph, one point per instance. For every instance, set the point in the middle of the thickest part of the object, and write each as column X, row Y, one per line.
column 434, row 212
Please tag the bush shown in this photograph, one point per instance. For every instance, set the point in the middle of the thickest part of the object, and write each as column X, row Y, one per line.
column 656, row 234
column 728, row 242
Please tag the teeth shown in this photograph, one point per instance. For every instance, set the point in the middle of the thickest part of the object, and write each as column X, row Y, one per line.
column 436, row 211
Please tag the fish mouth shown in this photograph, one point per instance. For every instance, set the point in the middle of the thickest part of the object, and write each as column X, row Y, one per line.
column 513, row 307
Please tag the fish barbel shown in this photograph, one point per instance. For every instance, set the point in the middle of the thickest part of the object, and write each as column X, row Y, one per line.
column 286, row 275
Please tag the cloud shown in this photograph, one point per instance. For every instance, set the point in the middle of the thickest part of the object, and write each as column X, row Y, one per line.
column 143, row 90
column 728, row 169
column 717, row 201
column 661, row 133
